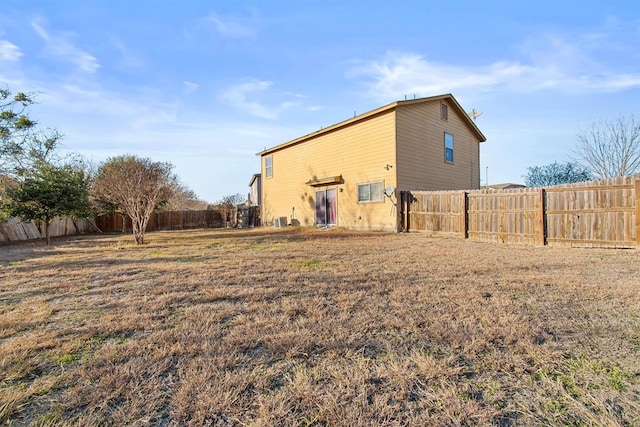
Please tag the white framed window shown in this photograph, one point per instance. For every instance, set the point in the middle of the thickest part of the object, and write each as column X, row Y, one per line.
column 370, row 192
column 444, row 112
column 448, row 147
column 268, row 167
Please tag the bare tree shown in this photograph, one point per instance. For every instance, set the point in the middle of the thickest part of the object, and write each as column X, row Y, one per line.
column 227, row 206
column 136, row 186
column 611, row 148
column 185, row 198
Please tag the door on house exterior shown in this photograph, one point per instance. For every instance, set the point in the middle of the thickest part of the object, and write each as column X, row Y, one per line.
column 326, row 207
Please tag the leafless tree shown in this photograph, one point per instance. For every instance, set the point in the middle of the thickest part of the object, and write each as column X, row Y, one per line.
column 185, row 198
column 136, row 186
column 228, row 208
column 611, row 147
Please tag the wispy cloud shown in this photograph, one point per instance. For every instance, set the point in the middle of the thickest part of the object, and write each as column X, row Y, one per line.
column 9, row 51
column 244, row 96
column 60, row 46
column 230, row 27
column 189, row 87
column 138, row 107
column 128, row 60
column 550, row 63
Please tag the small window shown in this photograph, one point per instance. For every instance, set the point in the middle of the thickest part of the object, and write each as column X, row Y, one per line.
column 444, row 112
column 268, row 167
column 370, row 192
column 448, row 148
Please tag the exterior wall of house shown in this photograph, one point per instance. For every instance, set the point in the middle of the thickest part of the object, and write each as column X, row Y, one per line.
column 421, row 151
column 255, row 194
column 359, row 152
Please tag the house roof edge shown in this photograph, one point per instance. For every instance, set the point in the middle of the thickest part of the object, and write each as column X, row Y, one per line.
column 379, row 110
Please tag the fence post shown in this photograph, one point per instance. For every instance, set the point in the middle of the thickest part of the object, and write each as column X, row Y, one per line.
column 543, row 217
column 405, row 210
column 637, row 188
column 408, row 199
column 464, row 205
column 402, row 217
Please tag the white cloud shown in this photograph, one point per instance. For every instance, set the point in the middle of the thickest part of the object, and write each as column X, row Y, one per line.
column 550, row 63
column 189, row 87
column 9, row 51
column 621, row 82
column 244, row 96
column 400, row 74
column 40, row 31
column 227, row 27
column 99, row 113
column 99, row 123
column 128, row 60
column 58, row 45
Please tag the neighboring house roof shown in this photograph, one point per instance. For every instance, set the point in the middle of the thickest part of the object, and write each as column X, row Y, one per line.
column 253, row 178
column 505, row 186
column 385, row 108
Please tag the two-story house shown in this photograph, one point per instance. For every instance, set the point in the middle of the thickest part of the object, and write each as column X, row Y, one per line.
column 347, row 174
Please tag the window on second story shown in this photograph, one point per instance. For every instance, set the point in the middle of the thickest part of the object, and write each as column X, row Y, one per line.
column 268, row 167
column 444, row 112
column 448, row 148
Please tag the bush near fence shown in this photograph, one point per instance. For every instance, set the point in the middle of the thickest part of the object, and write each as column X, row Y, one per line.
column 588, row 214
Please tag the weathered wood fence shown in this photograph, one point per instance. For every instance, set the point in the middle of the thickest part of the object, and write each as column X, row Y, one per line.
column 181, row 220
column 14, row 229
column 245, row 217
column 588, row 214
column 170, row 220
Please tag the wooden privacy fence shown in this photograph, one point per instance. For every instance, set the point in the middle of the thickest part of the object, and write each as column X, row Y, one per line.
column 588, row 214
column 15, row 230
column 178, row 220
column 169, row 220
column 245, row 217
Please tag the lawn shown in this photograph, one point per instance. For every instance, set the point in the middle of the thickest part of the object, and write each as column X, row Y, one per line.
column 316, row 328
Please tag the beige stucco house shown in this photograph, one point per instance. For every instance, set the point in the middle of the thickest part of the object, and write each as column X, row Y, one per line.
column 348, row 174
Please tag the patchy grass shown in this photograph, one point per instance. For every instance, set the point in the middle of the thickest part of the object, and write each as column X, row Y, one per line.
column 317, row 328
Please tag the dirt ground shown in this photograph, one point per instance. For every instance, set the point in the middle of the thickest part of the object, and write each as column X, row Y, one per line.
column 316, row 328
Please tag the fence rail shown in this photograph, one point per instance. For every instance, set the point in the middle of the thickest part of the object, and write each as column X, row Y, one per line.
column 590, row 214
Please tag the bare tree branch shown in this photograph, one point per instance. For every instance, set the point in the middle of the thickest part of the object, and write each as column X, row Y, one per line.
column 610, row 148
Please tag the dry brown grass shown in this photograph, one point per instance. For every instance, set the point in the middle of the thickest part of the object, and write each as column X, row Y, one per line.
column 317, row 328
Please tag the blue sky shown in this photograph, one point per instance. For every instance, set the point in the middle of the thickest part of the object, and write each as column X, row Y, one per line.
column 206, row 85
